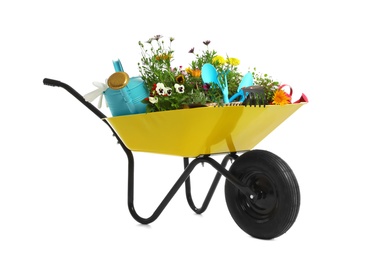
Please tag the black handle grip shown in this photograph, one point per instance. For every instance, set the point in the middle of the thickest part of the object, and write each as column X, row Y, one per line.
column 52, row 82
column 57, row 83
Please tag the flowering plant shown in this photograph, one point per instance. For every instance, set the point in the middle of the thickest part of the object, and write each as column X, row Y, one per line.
column 169, row 87
column 172, row 87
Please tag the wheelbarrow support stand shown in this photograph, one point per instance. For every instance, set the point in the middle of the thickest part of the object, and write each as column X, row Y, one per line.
column 221, row 170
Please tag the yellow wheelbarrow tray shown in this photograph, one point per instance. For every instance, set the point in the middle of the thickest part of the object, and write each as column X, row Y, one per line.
column 199, row 131
column 261, row 191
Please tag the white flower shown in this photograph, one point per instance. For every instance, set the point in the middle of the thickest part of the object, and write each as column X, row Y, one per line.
column 160, row 88
column 153, row 100
column 168, row 91
column 179, row 88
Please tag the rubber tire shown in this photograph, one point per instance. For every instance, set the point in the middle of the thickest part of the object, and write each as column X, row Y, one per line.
column 278, row 199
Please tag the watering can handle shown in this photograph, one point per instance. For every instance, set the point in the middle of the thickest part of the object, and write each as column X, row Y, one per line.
column 117, row 65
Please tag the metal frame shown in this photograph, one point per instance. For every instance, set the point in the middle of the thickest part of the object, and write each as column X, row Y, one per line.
column 184, row 177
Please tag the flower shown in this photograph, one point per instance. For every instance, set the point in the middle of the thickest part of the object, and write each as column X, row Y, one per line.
column 233, row 61
column 173, row 87
column 163, row 57
column 196, row 73
column 157, row 37
column 180, row 78
column 281, row 98
column 153, row 100
column 219, row 59
column 206, row 86
column 179, row 88
column 169, row 87
column 206, row 42
column 193, row 72
column 168, row 91
column 161, row 90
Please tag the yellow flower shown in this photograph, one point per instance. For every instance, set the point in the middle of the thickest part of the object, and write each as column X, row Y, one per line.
column 281, row 98
column 188, row 70
column 163, row 57
column 218, row 59
column 233, row 61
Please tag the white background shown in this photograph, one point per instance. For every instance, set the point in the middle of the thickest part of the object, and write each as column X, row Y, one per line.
column 63, row 178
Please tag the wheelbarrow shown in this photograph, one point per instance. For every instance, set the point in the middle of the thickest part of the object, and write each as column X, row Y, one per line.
column 261, row 191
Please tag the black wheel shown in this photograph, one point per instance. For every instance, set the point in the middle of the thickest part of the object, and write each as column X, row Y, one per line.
column 275, row 207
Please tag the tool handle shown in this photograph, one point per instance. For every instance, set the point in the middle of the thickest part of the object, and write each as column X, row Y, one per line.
column 57, row 83
column 52, row 82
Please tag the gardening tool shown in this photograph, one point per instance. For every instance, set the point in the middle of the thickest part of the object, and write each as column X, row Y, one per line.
column 247, row 81
column 210, row 75
column 255, row 95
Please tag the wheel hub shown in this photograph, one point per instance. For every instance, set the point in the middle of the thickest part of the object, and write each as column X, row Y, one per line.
column 263, row 204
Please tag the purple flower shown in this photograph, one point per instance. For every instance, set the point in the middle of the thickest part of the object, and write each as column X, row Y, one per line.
column 207, row 42
column 206, row 86
column 157, row 37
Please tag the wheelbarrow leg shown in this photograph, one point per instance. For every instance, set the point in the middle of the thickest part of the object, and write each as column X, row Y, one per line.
column 184, row 176
column 164, row 202
column 130, row 186
column 212, row 189
column 189, row 167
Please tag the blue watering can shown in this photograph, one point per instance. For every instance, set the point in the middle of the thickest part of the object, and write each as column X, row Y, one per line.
column 124, row 95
